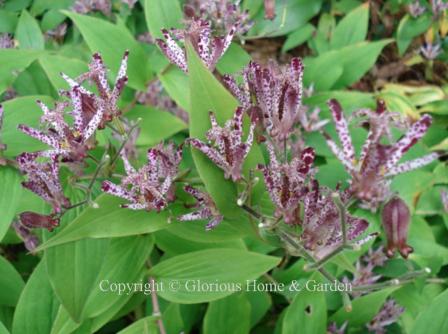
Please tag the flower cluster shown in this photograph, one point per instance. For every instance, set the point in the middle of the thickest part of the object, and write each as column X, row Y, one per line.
column 322, row 223
column 150, row 187
column 87, row 6
column 416, row 9
column 389, row 314
column 378, row 162
column 199, row 33
column 229, row 150
column 206, row 209
column 286, row 183
column 273, row 96
column 223, row 15
column 6, row 41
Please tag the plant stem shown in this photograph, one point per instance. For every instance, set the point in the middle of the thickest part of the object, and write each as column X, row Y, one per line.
column 155, row 306
column 125, row 140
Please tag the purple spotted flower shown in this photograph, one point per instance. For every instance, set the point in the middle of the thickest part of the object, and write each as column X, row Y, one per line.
column 43, row 178
column 199, row 34
column 389, row 314
column 223, row 14
column 32, row 220
column 69, row 141
column 286, row 183
column 334, row 329
column 89, row 103
column 229, row 150
column 29, row 239
column 273, row 96
column 150, row 187
column 321, row 226
column 438, row 7
column 206, row 209
column 444, row 197
column 396, row 218
column 6, row 41
column 378, row 162
column 416, row 9
column 431, row 51
column 87, row 6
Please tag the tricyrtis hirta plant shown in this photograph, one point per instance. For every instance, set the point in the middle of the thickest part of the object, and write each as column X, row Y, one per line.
column 166, row 163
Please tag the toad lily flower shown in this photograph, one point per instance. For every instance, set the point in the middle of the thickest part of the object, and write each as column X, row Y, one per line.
column 286, row 183
column 229, row 151
column 71, row 142
column 43, row 179
column 150, row 187
column 396, row 218
column 199, row 34
column 322, row 231
column 207, row 209
column 274, row 94
column 107, row 98
column 388, row 314
column 371, row 173
column 31, row 220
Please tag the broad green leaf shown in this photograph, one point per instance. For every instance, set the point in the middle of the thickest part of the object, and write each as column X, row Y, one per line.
column 53, row 65
column 364, row 308
column 13, row 62
column 37, row 306
column 16, row 5
column 3, row 329
column 298, row 37
column 352, row 28
column 39, row 6
column 434, row 318
column 174, row 82
column 399, row 103
column 28, row 33
column 234, row 60
column 11, row 284
column 108, row 221
column 307, row 312
column 22, row 110
column 409, row 28
column 260, row 302
column 81, row 272
column 207, row 94
column 155, row 125
column 10, row 193
column 291, row 14
column 147, row 325
column 354, row 60
column 159, row 15
column 111, row 41
column 8, row 21
column 233, row 267
column 220, row 316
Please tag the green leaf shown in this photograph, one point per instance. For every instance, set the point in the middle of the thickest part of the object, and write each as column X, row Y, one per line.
column 234, row 60
column 231, row 266
column 364, row 308
column 298, row 37
column 10, row 193
column 147, row 325
column 53, row 65
column 220, row 315
column 260, row 302
column 22, row 110
column 111, row 41
column 37, row 305
column 352, row 28
column 434, row 318
column 81, row 272
column 174, row 82
column 308, row 311
column 3, row 329
column 291, row 14
column 156, row 125
column 410, row 28
column 13, row 62
column 8, row 21
column 207, row 94
column 159, row 15
column 108, row 221
column 11, row 284
column 28, row 33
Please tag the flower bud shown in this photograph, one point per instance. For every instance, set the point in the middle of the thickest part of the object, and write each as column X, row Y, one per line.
column 396, row 217
column 36, row 220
